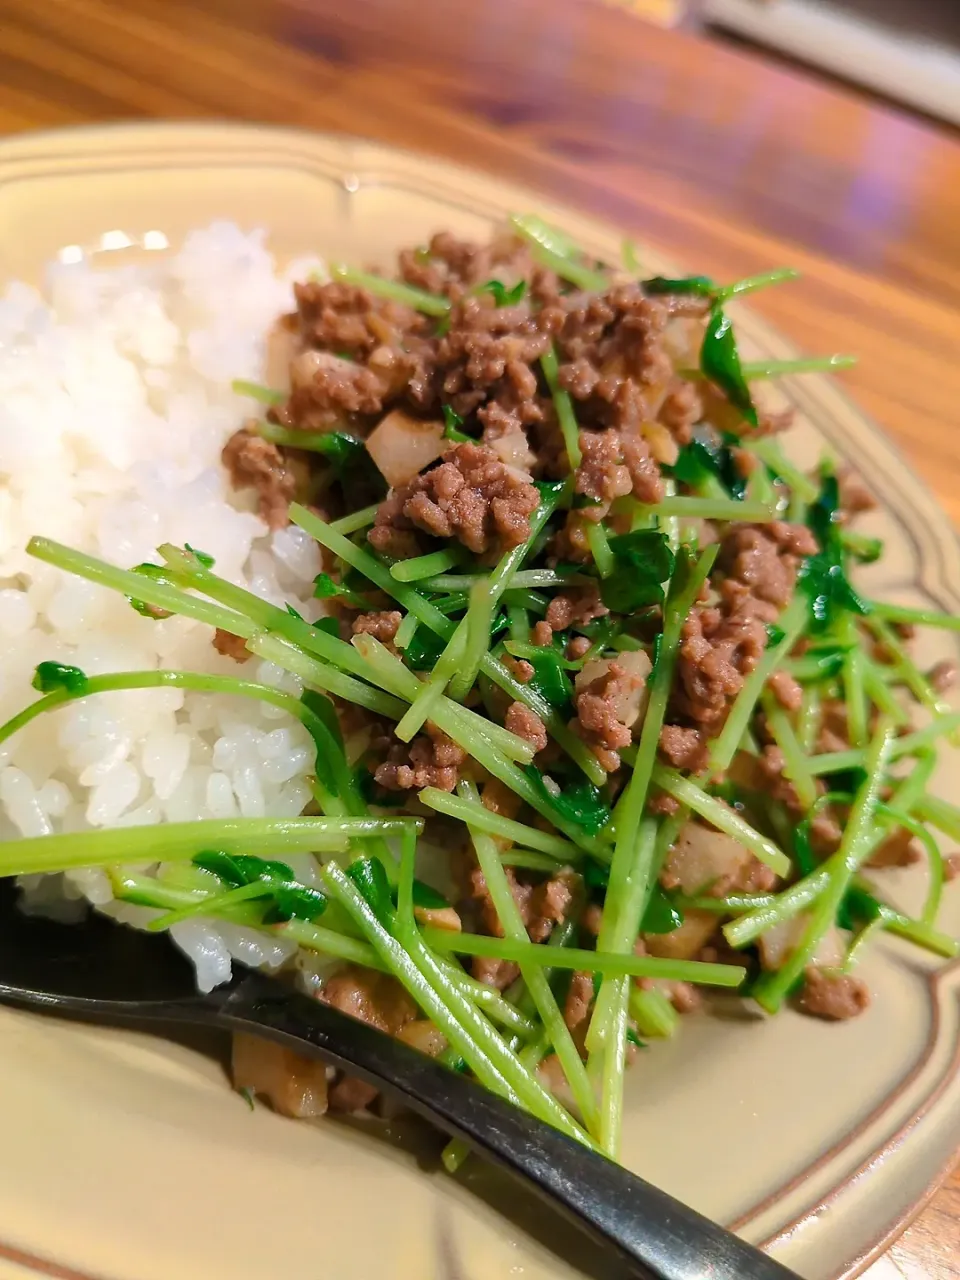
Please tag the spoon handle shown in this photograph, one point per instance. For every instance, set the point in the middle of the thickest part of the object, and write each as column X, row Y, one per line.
column 659, row 1238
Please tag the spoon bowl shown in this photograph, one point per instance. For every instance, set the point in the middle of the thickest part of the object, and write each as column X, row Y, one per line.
column 101, row 972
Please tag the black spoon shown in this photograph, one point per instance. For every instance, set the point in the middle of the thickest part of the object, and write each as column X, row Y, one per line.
column 101, row 972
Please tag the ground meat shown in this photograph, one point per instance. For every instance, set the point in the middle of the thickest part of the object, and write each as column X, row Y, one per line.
column 578, row 647
column 382, row 626
column 719, row 645
column 681, row 410
column 770, row 769
column 575, row 608
column 526, row 724
column 833, row 997
column 541, row 907
column 607, row 706
column 765, row 558
column 374, row 998
column 471, row 495
column 684, row 997
column 327, row 389
column 601, row 475
column 542, row 633
column 855, row 497
column 951, row 866
column 787, row 691
column 431, row 760
column 895, row 850
column 943, row 676
column 833, row 734
column 576, row 1007
column 519, row 668
column 662, row 804
column 684, row 748
column 253, row 462
column 230, row 646
column 342, row 317
column 619, row 334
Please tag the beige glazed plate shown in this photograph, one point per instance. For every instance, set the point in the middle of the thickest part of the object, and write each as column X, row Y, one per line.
column 128, row 1158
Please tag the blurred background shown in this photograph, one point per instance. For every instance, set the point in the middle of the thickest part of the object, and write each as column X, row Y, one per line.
column 905, row 50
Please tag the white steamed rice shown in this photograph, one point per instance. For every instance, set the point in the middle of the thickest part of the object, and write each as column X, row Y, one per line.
column 115, row 403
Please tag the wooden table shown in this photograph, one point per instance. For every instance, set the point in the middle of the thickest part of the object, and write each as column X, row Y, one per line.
column 728, row 163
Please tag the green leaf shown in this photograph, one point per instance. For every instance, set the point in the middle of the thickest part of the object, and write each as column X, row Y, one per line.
column 720, row 363
column 370, row 877
column 294, row 614
column 549, row 677
column 426, row 897
column 502, row 296
column 661, row 916
column 452, row 424
column 823, row 576
column 156, row 573
column 701, row 286
column 581, row 803
column 774, row 634
column 290, row 900
column 644, row 561
column 705, row 456
column 328, row 625
column 51, row 676
column 204, row 557
column 324, row 588
column 238, row 869
column 424, row 649
column 295, row 902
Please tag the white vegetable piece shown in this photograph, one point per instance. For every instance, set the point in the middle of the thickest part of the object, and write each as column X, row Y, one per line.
column 402, row 446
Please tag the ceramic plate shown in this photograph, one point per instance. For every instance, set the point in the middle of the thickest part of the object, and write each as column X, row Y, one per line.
column 129, row 1158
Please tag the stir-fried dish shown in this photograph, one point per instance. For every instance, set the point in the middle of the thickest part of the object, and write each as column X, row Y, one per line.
column 601, row 722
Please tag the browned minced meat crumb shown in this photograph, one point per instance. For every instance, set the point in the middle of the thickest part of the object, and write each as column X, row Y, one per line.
column 834, row 997
column 541, row 907
column 619, row 334
column 576, row 1007
column 745, row 462
column 526, row 724
column 854, row 495
column 575, row 608
column 943, row 676
column 328, row 390
column 382, row 626
column 765, row 557
column 684, row 748
column 255, row 463
column 471, row 495
column 542, row 633
column 895, row 850
column 787, row 691
column 833, row 734
column 613, row 465
column 598, row 722
column 230, row 646
column 719, row 645
column 662, row 804
column 684, row 997
column 337, row 316
column 374, row 998
column 578, row 647
column 681, row 410
column 770, row 769
column 431, row 760
column 951, row 866
column 825, row 833
column 519, row 668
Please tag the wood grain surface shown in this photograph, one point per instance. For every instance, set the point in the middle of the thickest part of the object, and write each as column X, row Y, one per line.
column 728, row 163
